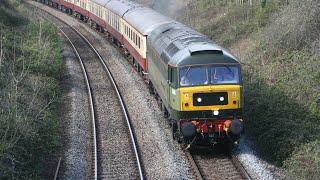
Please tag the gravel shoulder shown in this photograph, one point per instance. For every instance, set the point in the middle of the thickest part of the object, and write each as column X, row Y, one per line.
column 75, row 117
column 257, row 167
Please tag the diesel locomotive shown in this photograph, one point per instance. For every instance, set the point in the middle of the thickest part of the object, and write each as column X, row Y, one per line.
column 197, row 83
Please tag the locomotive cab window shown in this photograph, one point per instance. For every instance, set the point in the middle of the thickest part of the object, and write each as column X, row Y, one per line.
column 225, row 75
column 194, row 76
column 209, row 75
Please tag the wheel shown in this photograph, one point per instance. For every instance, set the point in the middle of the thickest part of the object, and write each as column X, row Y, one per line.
column 151, row 89
column 174, row 128
column 165, row 111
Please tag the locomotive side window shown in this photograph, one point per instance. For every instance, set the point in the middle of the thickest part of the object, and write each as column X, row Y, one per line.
column 173, row 77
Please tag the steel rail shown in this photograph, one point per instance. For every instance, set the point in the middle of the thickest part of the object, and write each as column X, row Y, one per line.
column 119, row 96
column 85, row 74
column 240, row 167
column 194, row 166
column 123, row 106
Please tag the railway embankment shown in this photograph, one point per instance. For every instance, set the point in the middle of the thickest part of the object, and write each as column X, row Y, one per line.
column 278, row 43
column 30, row 69
column 154, row 137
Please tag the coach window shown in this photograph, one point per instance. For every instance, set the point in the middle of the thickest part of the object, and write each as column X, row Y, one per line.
column 112, row 20
column 136, row 40
column 132, row 35
column 118, row 23
column 139, row 43
column 127, row 31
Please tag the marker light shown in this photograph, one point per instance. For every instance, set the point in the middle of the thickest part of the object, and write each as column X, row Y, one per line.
column 199, row 100
column 221, row 98
column 216, row 113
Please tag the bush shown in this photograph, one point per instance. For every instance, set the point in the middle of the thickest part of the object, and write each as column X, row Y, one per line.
column 281, row 72
column 304, row 162
column 230, row 21
column 30, row 96
column 282, row 82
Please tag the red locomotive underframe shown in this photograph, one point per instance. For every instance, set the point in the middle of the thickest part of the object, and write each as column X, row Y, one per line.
column 116, row 34
column 209, row 125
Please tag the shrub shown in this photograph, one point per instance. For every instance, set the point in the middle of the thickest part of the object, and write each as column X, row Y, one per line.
column 282, row 82
column 304, row 162
column 30, row 95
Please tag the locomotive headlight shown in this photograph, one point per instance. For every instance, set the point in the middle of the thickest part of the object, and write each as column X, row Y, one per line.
column 221, row 99
column 216, row 112
column 199, row 100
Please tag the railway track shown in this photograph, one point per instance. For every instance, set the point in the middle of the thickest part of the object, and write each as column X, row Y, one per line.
column 115, row 152
column 208, row 164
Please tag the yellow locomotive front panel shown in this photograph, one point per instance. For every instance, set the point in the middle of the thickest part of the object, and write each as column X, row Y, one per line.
column 212, row 98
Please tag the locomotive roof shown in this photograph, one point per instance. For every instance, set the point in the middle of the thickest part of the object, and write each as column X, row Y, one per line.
column 179, row 45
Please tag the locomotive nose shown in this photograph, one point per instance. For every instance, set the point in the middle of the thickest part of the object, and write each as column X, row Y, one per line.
column 236, row 127
column 189, row 130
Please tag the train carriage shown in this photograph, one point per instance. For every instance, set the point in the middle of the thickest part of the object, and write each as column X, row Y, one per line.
column 137, row 29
